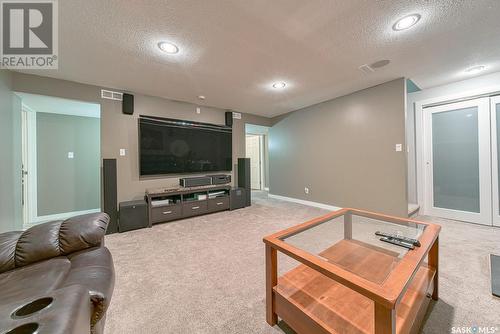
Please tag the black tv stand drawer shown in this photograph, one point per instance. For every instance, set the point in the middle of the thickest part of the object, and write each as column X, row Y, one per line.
column 218, row 204
column 165, row 213
column 194, row 208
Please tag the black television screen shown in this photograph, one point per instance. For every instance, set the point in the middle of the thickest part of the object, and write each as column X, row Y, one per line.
column 170, row 146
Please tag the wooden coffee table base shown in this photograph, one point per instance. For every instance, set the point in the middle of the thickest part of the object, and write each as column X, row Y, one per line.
column 375, row 292
column 313, row 303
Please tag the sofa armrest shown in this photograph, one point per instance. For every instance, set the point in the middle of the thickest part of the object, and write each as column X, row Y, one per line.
column 48, row 240
column 93, row 268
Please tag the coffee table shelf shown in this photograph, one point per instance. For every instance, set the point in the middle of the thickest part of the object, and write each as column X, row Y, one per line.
column 355, row 285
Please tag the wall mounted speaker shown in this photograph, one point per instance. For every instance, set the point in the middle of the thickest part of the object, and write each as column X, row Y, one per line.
column 110, row 194
column 229, row 118
column 128, row 104
column 244, row 178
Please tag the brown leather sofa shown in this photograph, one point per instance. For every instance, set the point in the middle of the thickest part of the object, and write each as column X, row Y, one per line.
column 53, row 256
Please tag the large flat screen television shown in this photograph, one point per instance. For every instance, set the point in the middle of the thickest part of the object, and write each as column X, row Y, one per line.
column 169, row 146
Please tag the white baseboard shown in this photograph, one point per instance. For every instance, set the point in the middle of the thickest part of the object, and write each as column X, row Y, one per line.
column 304, row 202
column 59, row 216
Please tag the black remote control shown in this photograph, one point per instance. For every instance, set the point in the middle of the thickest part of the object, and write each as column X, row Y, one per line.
column 397, row 242
column 414, row 242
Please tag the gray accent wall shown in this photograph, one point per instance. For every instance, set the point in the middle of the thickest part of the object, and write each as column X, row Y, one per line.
column 67, row 184
column 10, row 156
column 121, row 131
column 343, row 150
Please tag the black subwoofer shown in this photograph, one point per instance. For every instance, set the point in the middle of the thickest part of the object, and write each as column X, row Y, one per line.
column 133, row 215
column 237, row 198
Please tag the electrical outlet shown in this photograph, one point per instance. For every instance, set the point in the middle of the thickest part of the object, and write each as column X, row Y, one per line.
column 399, row 147
column 306, row 190
column 71, row 155
column 198, row 110
column 122, row 152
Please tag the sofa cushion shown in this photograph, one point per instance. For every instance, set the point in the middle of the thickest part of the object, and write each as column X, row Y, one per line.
column 82, row 232
column 48, row 240
column 8, row 242
column 38, row 243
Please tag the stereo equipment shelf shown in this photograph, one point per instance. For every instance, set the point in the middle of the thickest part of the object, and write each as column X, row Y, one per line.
column 186, row 203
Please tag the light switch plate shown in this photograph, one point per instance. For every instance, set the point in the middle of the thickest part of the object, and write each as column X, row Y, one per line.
column 122, row 152
column 198, row 110
column 71, row 155
column 399, row 147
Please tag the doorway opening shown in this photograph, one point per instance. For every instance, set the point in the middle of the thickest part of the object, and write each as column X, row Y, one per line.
column 460, row 158
column 256, row 148
column 61, row 153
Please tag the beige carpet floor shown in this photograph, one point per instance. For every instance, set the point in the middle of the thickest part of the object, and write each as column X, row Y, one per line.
column 206, row 274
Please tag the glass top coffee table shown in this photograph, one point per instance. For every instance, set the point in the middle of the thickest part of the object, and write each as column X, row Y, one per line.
column 359, row 272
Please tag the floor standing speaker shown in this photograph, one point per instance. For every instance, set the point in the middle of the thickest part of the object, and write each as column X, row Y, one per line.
column 110, row 194
column 244, row 178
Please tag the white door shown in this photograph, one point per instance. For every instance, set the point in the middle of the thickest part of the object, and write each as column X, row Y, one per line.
column 253, row 152
column 495, row 155
column 458, row 161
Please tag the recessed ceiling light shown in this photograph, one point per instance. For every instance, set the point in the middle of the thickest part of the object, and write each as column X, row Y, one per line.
column 406, row 22
column 279, row 85
column 475, row 69
column 201, row 97
column 168, row 47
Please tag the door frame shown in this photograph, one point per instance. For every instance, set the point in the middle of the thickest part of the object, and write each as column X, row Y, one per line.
column 261, row 157
column 494, row 100
column 484, row 216
column 30, row 190
column 30, row 182
column 420, row 134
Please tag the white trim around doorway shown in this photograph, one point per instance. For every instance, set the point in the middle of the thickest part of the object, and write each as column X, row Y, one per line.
column 421, row 135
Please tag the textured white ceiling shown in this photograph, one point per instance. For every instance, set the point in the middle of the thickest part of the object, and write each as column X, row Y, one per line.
column 232, row 51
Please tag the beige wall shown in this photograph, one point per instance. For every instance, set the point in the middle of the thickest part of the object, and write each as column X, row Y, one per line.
column 121, row 131
column 343, row 150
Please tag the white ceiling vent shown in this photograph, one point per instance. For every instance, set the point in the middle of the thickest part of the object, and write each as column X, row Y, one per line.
column 110, row 95
column 366, row 69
